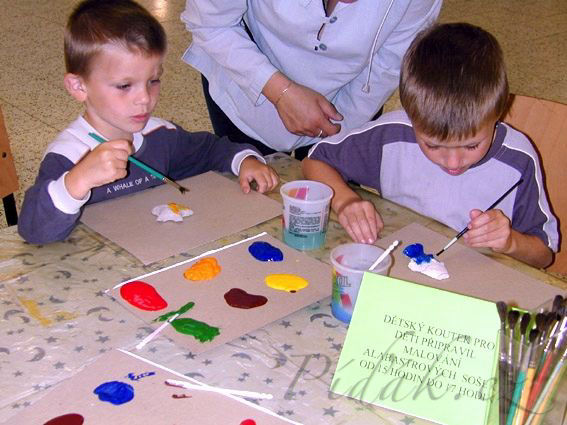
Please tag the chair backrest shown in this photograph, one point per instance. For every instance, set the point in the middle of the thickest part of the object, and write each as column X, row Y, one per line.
column 545, row 123
column 8, row 176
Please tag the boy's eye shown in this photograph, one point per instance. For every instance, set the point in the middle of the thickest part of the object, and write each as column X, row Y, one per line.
column 432, row 147
column 123, row 86
column 156, row 81
column 472, row 147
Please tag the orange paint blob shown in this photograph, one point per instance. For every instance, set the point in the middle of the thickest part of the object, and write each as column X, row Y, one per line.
column 176, row 208
column 204, row 269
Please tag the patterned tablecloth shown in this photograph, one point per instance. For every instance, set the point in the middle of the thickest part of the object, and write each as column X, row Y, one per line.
column 55, row 319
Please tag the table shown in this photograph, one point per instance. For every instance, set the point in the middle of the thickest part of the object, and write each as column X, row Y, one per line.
column 55, row 319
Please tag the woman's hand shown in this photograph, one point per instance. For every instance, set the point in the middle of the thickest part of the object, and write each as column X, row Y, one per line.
column 302, row 110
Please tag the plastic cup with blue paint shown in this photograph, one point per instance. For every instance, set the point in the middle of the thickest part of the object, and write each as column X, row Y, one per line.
column 350, row 261
column 306, row 206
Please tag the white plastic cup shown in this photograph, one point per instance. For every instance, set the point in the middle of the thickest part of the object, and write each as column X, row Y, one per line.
column 306, row 206
column 350, row 261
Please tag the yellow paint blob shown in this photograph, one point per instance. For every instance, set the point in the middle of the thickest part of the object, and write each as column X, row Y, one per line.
column 177, row 208
column 33, row 310
column 204, row 269
column 286, row 282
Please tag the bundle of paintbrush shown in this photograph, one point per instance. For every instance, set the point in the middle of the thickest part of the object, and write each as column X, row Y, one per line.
column 533, row 353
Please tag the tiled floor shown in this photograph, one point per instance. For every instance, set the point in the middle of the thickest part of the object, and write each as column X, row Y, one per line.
column 533, row 34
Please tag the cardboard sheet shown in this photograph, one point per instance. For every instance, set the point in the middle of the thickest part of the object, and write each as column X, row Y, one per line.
column 220, row 208
column 153, row 402
column 239, row 269
column 471, row 273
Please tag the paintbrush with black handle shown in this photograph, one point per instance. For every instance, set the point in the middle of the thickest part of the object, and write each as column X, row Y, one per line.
column 524, row 323
column 513, row 316
column 502, row 363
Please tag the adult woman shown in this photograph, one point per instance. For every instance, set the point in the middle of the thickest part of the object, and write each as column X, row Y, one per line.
column 287, row 72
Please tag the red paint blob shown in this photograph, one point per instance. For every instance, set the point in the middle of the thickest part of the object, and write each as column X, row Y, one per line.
column 142, row 295
column 69, row 419
column 239, row 298
column 248, row 422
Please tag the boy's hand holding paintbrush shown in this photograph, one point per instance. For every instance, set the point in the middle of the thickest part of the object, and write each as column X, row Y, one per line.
column 106, row 163
column 252, row 170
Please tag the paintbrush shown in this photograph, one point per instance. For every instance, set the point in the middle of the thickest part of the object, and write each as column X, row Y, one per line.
column 384, row 255
column 466, row 229
column 503, row 363
column 524, row 323
column 151, row 336
column 513, row 316
column 203, row 387
column 537, row 414
column 527, row 380
column 146, row 168
column 546, row 362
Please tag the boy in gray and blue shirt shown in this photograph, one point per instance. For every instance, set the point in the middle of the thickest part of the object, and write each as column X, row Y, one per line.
column 447, row 155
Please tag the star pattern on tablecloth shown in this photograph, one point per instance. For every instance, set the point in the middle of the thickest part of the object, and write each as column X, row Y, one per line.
column 337, row 347
column 330, row 411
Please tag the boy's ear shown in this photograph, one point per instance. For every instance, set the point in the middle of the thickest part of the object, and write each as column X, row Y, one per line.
column 75, row 86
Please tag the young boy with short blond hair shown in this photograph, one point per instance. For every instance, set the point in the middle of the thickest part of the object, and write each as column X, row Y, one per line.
column 446, row 155
column 114, row 54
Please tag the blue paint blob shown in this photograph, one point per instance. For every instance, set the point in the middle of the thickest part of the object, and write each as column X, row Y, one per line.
column 264, row 251
column 416, row 253
column 115, row 392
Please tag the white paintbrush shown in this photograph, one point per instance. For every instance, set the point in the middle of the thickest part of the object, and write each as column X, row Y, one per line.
column 155, row 333
column 241, row 393
column 384, row 255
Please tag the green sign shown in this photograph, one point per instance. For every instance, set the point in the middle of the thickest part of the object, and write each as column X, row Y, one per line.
column 422, row 351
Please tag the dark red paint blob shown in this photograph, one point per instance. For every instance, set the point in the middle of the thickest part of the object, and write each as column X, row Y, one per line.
column 239, row 298
column 142, row 295
column 69, row 419
column 248, row 422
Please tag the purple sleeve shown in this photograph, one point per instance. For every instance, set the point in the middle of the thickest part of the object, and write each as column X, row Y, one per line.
column 40, row 222
column 532, row 215
column 199, row 152
column 356, row 157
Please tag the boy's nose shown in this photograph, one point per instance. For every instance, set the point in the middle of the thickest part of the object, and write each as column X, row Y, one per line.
column 453, row 159
column 143, row 96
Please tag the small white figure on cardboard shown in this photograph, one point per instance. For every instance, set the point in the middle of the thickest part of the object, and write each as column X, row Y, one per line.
column 171, row 212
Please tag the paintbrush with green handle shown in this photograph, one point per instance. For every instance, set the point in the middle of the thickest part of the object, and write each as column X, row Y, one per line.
column 146, row 168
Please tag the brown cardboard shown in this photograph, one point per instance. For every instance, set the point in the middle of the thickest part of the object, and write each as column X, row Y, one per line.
column 220, row 209
column 153, row 401
column 545, row 123
column 239, row 269
column 470, row 272
column 8, row 176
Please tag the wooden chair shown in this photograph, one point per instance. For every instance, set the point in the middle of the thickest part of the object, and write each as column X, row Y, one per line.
column 8, row 177
column 545, row 123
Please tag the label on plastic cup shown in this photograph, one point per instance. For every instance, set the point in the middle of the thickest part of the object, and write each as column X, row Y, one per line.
column 350, row 261
column 306, row 206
